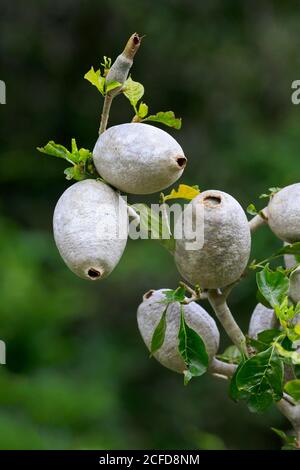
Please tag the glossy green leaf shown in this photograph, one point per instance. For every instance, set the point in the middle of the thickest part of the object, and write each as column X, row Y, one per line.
column 265, row 339
column 133, row 91
column 143, row 110
column 159, row 333
column 111, row 86
column 273, row 285
column 251, row 209
column 177, row 295
column 192, row 350
column 95, row 78
column 261, row 377
column 56, row 150
column 293, row 389
column 83, row 166
column 292, row 357
column 168, row 118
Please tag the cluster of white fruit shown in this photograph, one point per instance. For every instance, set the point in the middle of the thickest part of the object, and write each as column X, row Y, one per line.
column 220, row 262
column 140, row 159
column 135, row 158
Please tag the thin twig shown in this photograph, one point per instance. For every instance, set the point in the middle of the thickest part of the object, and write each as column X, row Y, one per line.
column 292, row 413
column 195, row 295
column 259, row 220
column 222, row 369
column 105, row 113
column 119, row 72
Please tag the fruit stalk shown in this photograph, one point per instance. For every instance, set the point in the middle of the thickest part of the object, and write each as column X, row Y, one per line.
column 292, row 413
column 258, row 220
column 222, row 311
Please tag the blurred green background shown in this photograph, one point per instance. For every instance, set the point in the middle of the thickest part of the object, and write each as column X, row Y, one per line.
column 78, row 375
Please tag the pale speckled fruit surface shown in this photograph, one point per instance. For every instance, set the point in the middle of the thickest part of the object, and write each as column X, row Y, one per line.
column 294, row 290
column 262, row 318
column 284, row 213
column 138, row 158
column 85, row 219
column 227, row 243
column 149, row 314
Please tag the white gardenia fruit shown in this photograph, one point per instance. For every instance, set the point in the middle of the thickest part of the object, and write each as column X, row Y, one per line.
column 149, row 314
column 223, row 256
column 138, row 158
column 90, row 228
column 284, row 213
column 262, row 318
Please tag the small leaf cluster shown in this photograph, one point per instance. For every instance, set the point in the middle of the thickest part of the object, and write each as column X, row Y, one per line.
column 259, row 379
column 80, row 159
column 251, row 209
column 98, row 79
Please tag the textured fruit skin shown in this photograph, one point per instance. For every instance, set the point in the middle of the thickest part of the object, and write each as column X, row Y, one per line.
column 149, row 314
column 262, row 318
column 83, row 209
column 138, row 158
column 294, row 290
column 284, row 213
column 227, row 243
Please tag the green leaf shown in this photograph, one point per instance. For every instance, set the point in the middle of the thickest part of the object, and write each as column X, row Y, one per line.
column 261, row 377
column 83, row 166
column 271, row 193
column 293, row 389
column 111, row 86
column 273, row 285
column 261, row 300
column 265, row 339
column 106, row 64
column 159, row 333
column 290, row 441
column 184, row 191
column 259, row 402
column 143, row 110
column 234, row 393
column 177, row 295
column 133, row 91
column 56, row 150
column 251, row 209
column 231, row 355
column 293, row 357
column 95, row 78
column 192, row 350
column 168, row 118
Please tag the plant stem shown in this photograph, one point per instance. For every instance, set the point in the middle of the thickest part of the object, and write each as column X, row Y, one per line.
column 222, row 369
column 119, row 72
column 105, row 113
column 222, row 311
column 194, row 295
column 258, row 220
column 292, row 413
